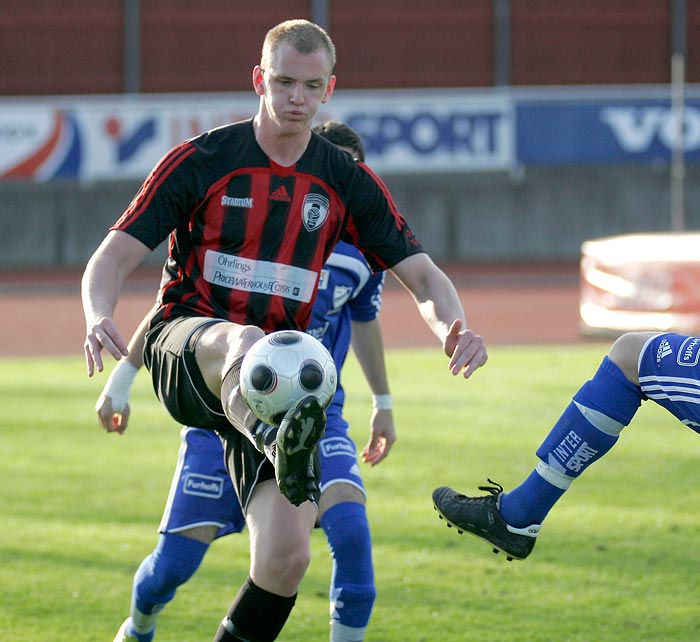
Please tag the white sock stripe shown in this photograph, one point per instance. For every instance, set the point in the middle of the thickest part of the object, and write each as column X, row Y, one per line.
column 343, row 633
column 554, row 477
column 144, row 623
column 600, row 421
column 228, row 625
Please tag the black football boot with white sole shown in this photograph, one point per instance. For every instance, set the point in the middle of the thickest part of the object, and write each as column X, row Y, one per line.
column 303, row 425
column 480, row 516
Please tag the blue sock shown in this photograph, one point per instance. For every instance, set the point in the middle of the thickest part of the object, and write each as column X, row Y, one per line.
column 174, row 560
column 352, row 590
column 588, row 428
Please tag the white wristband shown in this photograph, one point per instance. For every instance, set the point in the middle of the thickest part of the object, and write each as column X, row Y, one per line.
column 382, row 402
column 119, row 384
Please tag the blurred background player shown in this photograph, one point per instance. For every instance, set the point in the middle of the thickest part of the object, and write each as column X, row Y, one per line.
column 202, row 504
column 640, row 365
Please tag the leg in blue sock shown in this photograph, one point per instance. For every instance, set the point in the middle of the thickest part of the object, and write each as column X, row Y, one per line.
column 174, row 560
column 352, row 590
column 588, row 428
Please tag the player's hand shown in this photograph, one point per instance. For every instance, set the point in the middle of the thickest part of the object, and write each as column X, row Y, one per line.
column 103, row 334
column 382, row 437
column 467, row 351
column 109, row 419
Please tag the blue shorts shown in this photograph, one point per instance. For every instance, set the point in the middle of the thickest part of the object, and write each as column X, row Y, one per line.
column 669, row 374
column 338, row 454
column 202, row 493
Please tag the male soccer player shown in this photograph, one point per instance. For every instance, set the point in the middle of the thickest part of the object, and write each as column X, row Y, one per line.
column 253, row 210
column 640, row 365
column 202, row 504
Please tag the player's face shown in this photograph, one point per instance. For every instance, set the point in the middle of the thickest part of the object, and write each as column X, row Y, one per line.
column 294, row 87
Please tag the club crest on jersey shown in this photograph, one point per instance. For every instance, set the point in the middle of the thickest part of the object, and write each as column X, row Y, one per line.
column 314, row 211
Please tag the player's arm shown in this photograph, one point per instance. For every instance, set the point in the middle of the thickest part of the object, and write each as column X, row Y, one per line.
column 439, row 305
column 368, row 346
column 102, row 280
column 113, row 403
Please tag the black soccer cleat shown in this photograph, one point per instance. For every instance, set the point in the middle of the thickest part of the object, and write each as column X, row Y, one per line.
column 297, row 476
column 479, row 516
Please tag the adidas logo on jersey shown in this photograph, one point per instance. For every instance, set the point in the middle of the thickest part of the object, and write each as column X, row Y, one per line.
column 663, row 350
column 280, row 194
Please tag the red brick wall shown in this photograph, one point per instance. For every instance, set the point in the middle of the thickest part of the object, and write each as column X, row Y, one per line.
column 413, row 43
column 66, row 47
column 75, row 47
column 590, row 42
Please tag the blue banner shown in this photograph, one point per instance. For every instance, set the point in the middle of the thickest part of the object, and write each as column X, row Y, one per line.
column 599, row 132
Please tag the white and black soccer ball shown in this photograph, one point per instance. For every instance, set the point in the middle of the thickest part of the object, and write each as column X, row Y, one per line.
column 284, row 367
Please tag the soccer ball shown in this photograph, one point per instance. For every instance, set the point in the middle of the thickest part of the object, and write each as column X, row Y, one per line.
column 282, row 368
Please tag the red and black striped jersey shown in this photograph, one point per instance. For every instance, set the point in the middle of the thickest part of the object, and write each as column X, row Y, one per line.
column 248, row 237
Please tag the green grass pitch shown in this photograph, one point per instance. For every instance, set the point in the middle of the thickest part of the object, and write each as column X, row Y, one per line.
column 616, row 561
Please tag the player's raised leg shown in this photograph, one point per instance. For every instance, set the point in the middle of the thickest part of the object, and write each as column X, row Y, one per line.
column 288, row 378
column 208, row 355
column 588, row 428
column 219, row 351
column 283, row 368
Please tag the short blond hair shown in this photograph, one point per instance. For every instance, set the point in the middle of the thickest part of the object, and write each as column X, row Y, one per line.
column 306, row 37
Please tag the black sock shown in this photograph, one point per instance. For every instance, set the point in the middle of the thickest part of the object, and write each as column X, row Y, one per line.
column 256, row 615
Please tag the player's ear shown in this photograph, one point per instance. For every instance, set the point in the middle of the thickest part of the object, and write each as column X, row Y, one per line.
column 329, row 90
column 259, row 80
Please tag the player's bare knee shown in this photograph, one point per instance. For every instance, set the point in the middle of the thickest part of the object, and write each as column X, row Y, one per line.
column 625, row 353
column 238, row 340
column 230, row 341
column 338, row 493
column 247, row 335
column 294, row 566
column 281, row 570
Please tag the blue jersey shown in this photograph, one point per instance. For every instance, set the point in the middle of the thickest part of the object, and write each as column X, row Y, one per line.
column 348, row 291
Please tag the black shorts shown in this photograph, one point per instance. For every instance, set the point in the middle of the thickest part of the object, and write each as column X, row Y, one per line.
column 246, row 465
column 169, row 356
